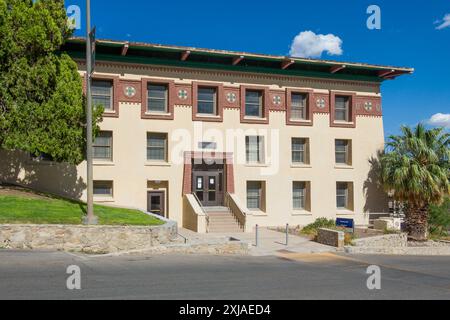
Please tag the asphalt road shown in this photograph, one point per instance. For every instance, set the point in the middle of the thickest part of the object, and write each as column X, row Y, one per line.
column 42, row 275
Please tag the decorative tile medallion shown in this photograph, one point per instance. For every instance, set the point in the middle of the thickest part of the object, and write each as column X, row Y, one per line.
column 231, row 97
column 129, row 91
column 276, row 100
column 182, row 94
column 368, row 106
column 320, row 103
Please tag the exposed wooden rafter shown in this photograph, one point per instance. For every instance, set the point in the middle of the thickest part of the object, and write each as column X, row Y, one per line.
column 125, row 49
column 385, row 73
column 286, row 63
column 185, row 55
column 337, row 68
column 237, row 59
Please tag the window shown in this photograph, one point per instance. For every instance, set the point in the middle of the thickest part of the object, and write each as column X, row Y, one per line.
column 157, row 98
column 102, row 92
column 103, row 146
column 299, row 195
column 344, row 195
column 207, row 101
column 298, row 106
column 253, row 103
column 207, row 145
column 343, row 151
column 157, row 146
column 342, row 107
column 299, row 150
column 103, row 188
column 254, row 195
column 254, row 146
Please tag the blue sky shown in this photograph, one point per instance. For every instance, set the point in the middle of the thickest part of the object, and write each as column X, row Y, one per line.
column 408, row 37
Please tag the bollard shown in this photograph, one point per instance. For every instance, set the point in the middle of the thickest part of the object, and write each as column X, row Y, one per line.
column 256, row 235
column 287, row 234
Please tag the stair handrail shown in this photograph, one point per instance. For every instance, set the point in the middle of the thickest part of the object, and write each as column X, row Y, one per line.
column 236, row 210
column 203, row 209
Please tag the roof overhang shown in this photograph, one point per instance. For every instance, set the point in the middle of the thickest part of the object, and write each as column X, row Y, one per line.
column 189, row 57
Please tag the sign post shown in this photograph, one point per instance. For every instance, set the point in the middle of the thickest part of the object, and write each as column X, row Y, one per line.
column 90, row 218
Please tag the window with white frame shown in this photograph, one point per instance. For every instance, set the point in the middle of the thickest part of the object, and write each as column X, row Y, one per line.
column 102, row 147
column 157, row 100
column 299, row 195
column 299, row 149
column 344, row 195
column 156, row 146
column 342, row 108
column 343, row 152
column 102, row 94
column 299, row 106
column 254, row 195
column 254, row 103
column 254, row 149
column 207, row 101
column 103, row 188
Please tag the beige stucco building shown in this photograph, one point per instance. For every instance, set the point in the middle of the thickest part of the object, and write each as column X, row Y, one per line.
column 221, row 141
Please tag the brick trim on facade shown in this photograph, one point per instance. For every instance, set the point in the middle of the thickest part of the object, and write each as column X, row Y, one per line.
column 309, row 104
column 352, row 111
column 219, row 101
column 265, row 106
column 171, row 92
column 227, row 159
column 115, row 95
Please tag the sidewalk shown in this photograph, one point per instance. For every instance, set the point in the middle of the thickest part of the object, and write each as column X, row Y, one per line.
column 270, row 241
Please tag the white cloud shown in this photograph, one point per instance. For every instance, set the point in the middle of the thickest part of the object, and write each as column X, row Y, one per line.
column 307, row 44
column 440, row 120
column 444, row 23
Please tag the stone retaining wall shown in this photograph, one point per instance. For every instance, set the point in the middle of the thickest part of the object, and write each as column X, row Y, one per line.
column 330, row 237
column 386, row 240
column 414, row 251
column 88, row 239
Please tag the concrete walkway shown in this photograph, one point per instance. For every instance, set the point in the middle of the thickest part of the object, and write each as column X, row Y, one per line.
column 270, row 242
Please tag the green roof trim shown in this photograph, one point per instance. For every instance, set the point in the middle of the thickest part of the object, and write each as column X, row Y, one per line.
column 148, row 54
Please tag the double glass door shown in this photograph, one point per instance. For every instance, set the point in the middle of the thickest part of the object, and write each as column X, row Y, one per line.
column 207, row 187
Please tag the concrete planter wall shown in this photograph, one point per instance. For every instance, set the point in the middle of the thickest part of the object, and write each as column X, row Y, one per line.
column 386, row 240
column 89, row 239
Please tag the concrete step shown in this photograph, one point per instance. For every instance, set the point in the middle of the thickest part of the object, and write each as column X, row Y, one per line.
column 225, row 230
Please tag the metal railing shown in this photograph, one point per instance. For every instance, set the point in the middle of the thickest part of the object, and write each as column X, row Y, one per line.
column 237, row 212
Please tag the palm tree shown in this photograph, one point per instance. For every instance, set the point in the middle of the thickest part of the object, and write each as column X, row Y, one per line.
column 416, row 167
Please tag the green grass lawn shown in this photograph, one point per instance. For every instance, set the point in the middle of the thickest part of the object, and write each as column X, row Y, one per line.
column 54, row 210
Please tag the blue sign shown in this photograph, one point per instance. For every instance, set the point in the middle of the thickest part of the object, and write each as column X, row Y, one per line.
column 346, row 223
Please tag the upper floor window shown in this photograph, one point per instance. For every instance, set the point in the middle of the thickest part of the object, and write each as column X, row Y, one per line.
column 157, row 98
column 207, row 101
column 253, row 103
column 342, row 108
column 156, row 146
column 102, row 147
column 343, row 151
column 299, row 150
column 254, row 149
column 102, row 93
column 299, row 106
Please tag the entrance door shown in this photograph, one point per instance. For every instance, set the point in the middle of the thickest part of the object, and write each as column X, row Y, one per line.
column 207, row 188
column 155, row 202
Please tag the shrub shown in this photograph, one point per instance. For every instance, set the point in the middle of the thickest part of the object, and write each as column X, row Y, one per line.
column 439, row 219
column 312, row 228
